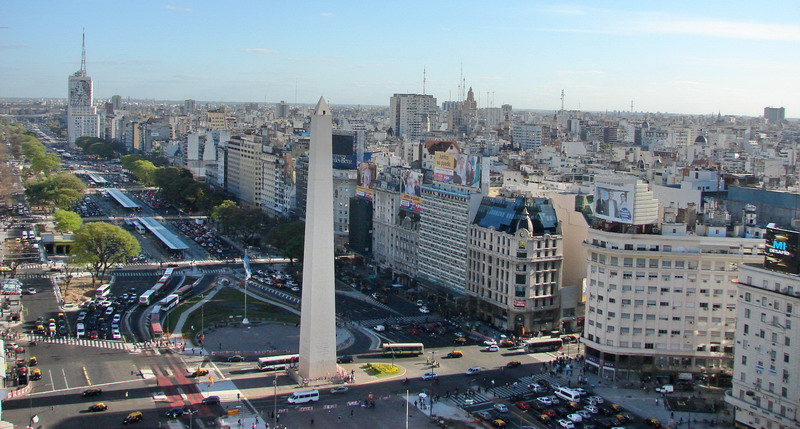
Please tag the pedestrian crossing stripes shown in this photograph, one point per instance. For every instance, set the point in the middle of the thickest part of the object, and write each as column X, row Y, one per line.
column 521, row 387
column 405, row 320
column 157, row 272
column 103, row 344
column 467, row 400
column 30, row 276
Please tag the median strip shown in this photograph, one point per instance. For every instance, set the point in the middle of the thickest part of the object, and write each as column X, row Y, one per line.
column 86, row 375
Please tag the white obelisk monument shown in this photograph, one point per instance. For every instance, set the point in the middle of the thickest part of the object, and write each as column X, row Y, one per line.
column 318, row 309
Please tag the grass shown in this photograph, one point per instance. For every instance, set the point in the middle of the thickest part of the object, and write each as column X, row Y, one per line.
column 381, row 369
column 226, row 303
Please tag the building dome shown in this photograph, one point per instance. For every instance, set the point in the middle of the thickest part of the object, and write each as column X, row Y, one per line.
column 645, row 124
column 701, row 139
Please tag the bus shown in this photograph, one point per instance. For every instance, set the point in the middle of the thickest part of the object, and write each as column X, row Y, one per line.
column 156, row 330
column 144, row 299
column 275, row 363
column 103, row 290
column 403, row 349
column 169, row 302
column 183, row 290
column 543, row 344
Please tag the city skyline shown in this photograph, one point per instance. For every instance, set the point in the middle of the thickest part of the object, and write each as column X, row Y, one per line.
column 683, row 58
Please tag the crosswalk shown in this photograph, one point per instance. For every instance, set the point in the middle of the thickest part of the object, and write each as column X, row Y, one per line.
column 286, row 297
column 84, row 342
column 158, row 272
column 521, row 387
column 474, row 398
column 424, row 318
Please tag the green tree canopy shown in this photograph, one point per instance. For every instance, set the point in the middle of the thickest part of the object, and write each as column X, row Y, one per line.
column 99, row 245
column 289, row 239
column 128, row 161
column 67, row 221
column 143, row 170
column 45, row 163
column 61, row 190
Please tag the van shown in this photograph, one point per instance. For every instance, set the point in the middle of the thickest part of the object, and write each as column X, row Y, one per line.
column 568, row 394
column 304, row 396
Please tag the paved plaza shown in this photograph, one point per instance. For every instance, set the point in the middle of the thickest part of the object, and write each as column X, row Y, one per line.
column 265, row 338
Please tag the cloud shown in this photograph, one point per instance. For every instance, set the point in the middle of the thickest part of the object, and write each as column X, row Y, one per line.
column 177, row 8
column 13, row 46
column 718, row 28
column 259, row 51
column 315, row 59
column 327, row 14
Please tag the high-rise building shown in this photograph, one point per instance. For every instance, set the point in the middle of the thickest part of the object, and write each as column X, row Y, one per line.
column 774, row 115
column 82, row 117
column 411, row 114
column 766, row 381
column 395, row 235
column 514, row 264
column 660, row 297
column 189, row 106
column 243, row 168
column 529, row 137
column 116, row 102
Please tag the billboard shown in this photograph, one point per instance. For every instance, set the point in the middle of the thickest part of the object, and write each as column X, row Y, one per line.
column 366, row 179
column 348, row 149
column 614, row 203
column 781, row 250
column 411, row 197
column 457, row 168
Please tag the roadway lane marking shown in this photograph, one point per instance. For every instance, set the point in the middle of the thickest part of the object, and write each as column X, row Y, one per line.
column 113, row 383
column 52, row 384
column 65, row 378
column 86, row 375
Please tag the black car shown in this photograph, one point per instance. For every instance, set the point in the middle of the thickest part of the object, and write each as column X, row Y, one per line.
column 175, row 413
column 236, row 358
column 92, row 392
column 211, row 400
column 345, row 359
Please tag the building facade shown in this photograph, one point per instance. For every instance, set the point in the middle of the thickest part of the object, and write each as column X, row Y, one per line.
column 411, row 114
column 395, row 237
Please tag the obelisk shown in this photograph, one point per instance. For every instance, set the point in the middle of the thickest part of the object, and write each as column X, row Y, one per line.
column 318, row 308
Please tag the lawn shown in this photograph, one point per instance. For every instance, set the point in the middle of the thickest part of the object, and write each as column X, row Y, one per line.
column 219, row 309
column 381, row 369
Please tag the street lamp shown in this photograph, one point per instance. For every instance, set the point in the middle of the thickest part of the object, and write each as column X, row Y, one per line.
column 433, row 360
column 275, row 398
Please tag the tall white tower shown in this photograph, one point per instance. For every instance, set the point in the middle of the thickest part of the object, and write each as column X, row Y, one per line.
column 82, row 118
column 318, row 308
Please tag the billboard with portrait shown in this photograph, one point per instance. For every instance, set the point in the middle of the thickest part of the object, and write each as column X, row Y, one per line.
column 781, row 250
column 457, row 168
column 614, row 203
column 366, row 180
column 411, row 197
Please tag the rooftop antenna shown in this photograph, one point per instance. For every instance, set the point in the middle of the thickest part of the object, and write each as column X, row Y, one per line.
column 562, row 101
column 631, row 106
column 424, row 80
column 460, row 85
column 83, row 51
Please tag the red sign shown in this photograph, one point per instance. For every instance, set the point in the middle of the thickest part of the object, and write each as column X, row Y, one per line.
column 519, row 303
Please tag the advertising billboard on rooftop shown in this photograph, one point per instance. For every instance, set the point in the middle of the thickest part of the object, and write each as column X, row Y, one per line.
column 457, row 169
column 781, row 250
column 614, row 203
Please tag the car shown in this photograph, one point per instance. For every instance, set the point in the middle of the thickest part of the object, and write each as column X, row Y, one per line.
column 133, row 417
column 594, row 400
column 119, row 266
column 345, row 359
column 455, row 354
column 117, row 317
column 235, row 358
column 591, row 408
column 513, row 364
column 116, row 335
column 566, row 424
column 31, row 291
column 484, row 415
column 544, row 400
column 499, row 423
column 473, row 370
column 667, row 388
column 580, row 391
column 36, row 374
column 97, row 407
column 544, row 418
column 93, row 335
column 199, row 372
column 460, row 341
column 379, row 328
column 109, row 311
column 424, row 310
column 585, row 414
column 420, row 303
column 295, row 288
column 211, row 400
column 537, row 388
column 653, row 422
column 575, row 417
column 94, row 391
column 339, row 389
column 551, row 412
column 175, row 413
column 500, row 408
column 522, row 405
column 490, row 343
column 430, row 376
column 554, row 400
column 493, row 348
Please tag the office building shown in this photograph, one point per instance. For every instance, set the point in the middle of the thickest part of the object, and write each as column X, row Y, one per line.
column 82, row 117
column 774, row 115
column 411, row 115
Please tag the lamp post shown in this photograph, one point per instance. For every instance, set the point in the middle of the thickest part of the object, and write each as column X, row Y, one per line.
column 275, row 399
column 433, row 360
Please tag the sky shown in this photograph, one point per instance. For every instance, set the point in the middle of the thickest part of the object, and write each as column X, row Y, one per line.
column 695, row 57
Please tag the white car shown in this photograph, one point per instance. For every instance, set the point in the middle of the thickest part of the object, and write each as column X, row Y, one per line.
column 430, row 376
column 595, row 400
column 493, row 348
column 592, row 409
column 580, row 391
column 537, row 388
column 424, row 310
column 420, row 303
column 31, row 291
column 490, row 343
column 474, row 370
column 500, row 408
column 545, row 400
column 339, row 389
column 566, row 424
column 576, row 418
column 379, row 328
column 585, row 414
column 116, row 335
column 116, row 318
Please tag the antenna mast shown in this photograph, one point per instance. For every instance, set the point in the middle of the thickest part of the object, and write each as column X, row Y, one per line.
column 562, row 101
column 424, row 80
column 83, row 52
column 631, row 106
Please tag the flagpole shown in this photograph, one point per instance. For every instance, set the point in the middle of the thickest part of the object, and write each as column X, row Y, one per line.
column 247, row 274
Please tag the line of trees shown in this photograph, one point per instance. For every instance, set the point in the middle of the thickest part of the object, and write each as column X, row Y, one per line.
column 100, row 148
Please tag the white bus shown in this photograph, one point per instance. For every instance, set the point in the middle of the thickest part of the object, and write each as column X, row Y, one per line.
column 169, row 302
column 568, row 394
column 403, row 349
column 103, row 290
column 275, row 363
column 144, row 299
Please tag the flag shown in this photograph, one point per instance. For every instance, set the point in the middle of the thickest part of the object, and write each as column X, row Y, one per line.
column 246, row 262
column 210, row 379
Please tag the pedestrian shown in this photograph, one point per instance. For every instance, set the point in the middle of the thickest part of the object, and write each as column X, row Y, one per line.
column 312, row 422
column 351, row 412
column 656, row 401
column 338, row 419
column 277, row 418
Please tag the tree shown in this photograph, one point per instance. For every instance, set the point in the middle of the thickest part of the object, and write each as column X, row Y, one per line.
column 223, row 214
column 143, row 170
column 45, row 163
column 67, row 221
column 128, row 161
column 289, row 239
column 60, row 190
column 99, row 245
